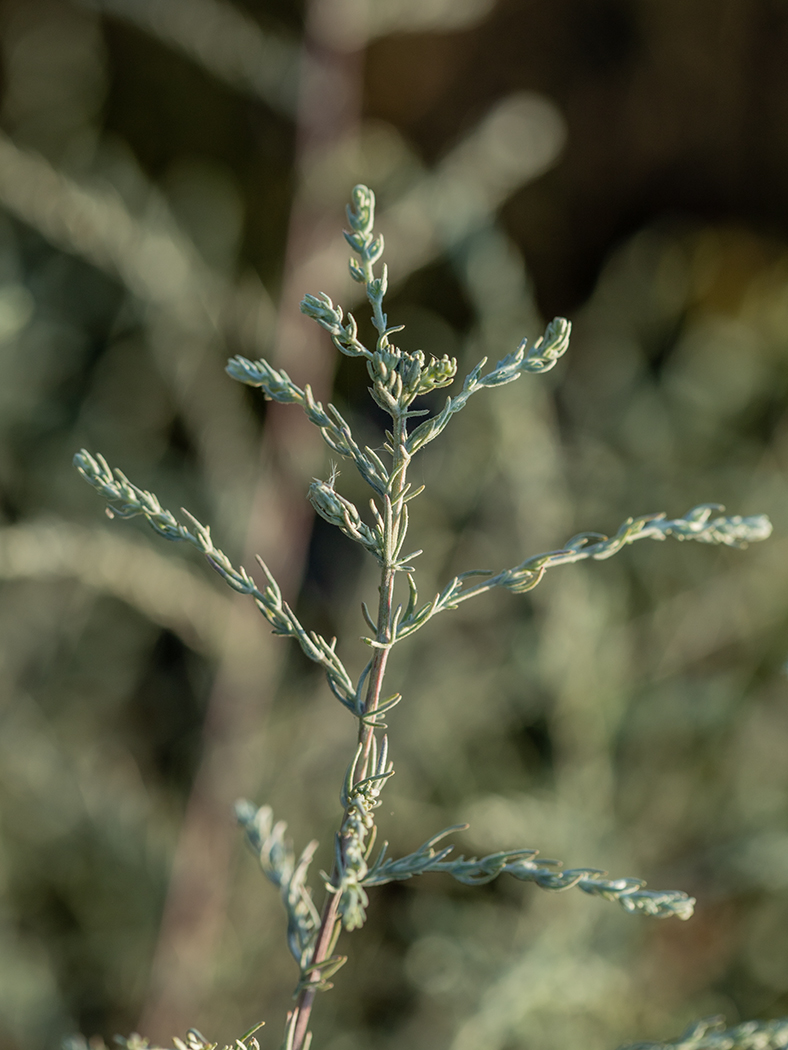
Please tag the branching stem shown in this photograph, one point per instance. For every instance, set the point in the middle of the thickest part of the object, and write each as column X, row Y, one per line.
column 398, row 378
column 394, row 533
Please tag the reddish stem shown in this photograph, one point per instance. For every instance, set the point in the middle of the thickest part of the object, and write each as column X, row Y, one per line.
column 366, row 734
column 329, row 918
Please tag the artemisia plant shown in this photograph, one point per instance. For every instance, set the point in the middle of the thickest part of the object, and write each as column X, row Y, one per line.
column 397, row 380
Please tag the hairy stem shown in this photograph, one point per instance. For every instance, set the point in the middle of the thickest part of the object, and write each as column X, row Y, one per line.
column 323, row 946
column 366, row 732
column 394, row 522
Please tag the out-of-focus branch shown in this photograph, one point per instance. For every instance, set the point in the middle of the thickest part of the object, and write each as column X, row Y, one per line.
column 520, row 138
column 369, row 19
column 169, row 593
column 712, row 1034
column 221, row 38
column 191, row 308
column 153, row 258
column 235, row 49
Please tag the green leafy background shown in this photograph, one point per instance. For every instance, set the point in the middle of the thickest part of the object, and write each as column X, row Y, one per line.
column 631, row 715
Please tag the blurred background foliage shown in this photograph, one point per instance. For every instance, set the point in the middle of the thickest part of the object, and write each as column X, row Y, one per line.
column 171, row 171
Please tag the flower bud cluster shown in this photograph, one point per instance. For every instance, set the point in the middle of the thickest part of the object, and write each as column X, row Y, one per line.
column 549, row 347
column 399, row 377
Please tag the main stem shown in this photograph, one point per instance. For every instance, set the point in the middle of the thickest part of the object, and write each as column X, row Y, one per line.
column 393, row 522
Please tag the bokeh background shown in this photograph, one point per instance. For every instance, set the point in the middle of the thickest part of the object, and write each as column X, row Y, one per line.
column 172, row 181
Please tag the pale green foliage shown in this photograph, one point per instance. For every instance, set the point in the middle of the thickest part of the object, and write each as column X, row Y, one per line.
column 397, row 379
column 194, row 1040
column 280, row 866
column 712, row 1034
column 128, row 501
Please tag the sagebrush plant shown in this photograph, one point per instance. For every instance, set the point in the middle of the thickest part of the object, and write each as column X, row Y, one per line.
column 398, row 379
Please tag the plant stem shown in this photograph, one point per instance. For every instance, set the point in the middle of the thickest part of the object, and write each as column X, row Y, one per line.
column 323, row 945
column 393, row 521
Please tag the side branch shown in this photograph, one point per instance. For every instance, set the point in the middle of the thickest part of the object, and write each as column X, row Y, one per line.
column 697, row 524
column 194, row 1041
column 542, row 356
column 278, row 386
column 340, row 512
column 126, row 500
column 521, row 864
column 711, row 1034
column 280, row 867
